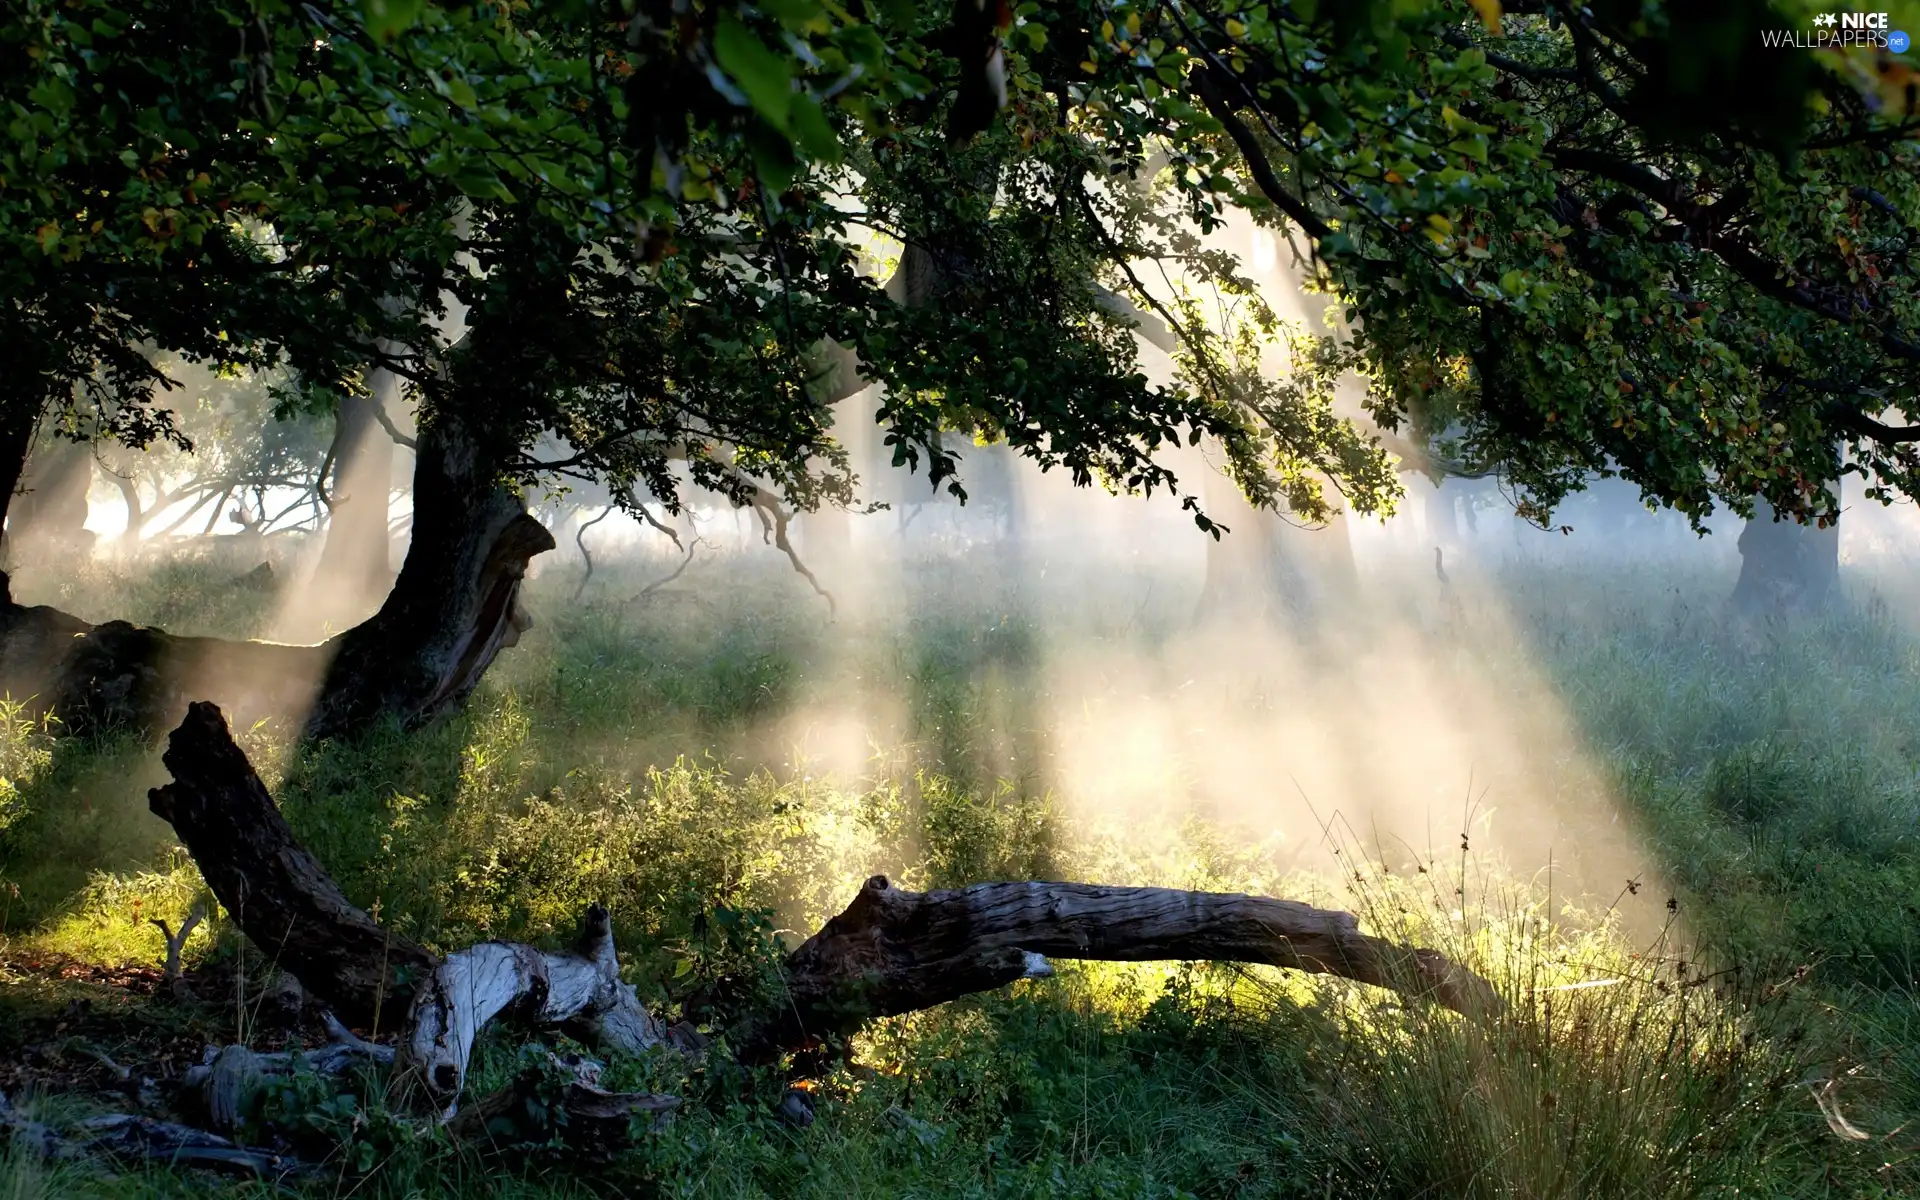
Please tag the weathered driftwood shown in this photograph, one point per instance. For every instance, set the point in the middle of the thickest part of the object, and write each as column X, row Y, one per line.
column 895, row 951
column 580, row 992
column 891, row 951
column 281, row 897
column 292, row 910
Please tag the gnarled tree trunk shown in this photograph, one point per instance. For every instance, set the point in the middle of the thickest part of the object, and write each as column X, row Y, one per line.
column 454, row 607
column 456, row 603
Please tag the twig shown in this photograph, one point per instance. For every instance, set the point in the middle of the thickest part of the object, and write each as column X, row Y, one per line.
column 780, row 517
column 171, row 972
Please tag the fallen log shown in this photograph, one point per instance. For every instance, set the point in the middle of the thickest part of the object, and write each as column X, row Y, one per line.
column 291, row 909
column 282, row 899
column 890, row 952
column 894, row 951
column 122, row 676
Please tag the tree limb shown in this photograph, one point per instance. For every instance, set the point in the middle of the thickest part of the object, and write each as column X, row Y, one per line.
column 894, row 951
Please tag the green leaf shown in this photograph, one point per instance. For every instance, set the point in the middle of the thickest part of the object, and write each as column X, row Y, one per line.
column 387, row 19
column 813, row 132
column 477, row 178
column 461, row 92
column 765, row 78
column 773, row 159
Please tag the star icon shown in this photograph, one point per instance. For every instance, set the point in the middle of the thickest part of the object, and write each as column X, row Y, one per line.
column 1824, row 19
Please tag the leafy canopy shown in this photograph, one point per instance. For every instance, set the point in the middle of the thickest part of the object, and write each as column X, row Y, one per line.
column 1559, row 240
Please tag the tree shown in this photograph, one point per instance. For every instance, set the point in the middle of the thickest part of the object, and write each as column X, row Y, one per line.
column 1581, row 240
column 51, row 512
column 652, row 220
column 356, row 560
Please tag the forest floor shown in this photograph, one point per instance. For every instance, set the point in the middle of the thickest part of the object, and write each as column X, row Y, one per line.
column 1684, row 848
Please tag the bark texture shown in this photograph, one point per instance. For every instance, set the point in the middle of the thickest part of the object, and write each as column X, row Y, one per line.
column 456, row 603
column 580, row 992
column 894, row 951
column 282, row 898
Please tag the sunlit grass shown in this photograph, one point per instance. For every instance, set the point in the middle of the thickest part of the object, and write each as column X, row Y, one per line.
column 644, row 755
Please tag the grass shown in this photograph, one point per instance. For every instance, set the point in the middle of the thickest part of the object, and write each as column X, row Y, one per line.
column 668, row 758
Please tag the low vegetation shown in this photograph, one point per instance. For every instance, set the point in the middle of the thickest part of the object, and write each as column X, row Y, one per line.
column 1755, row 1036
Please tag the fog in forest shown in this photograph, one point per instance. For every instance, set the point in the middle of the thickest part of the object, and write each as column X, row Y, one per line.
column 1370, row 684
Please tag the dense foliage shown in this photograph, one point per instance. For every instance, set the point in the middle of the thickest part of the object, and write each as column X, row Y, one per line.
column 1563, row 239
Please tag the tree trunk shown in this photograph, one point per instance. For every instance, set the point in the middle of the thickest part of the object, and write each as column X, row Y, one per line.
column 50, row 512
column 355, row 559
column 452, row 610
column 1267, row 568
column 18, row 416
column 123, row 676
column 890, row 952
column 129, row 489
column 1786, row 568
column 455, row 605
